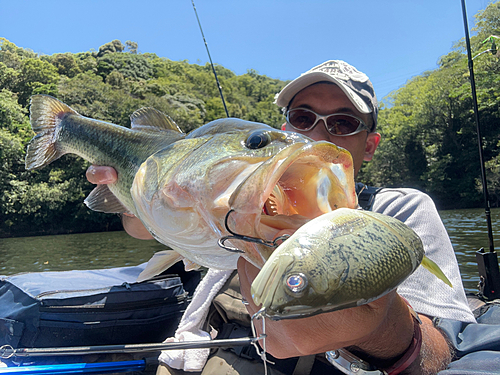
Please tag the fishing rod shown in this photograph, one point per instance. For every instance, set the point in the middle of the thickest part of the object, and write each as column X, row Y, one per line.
column 8, row 351
column 489, row 285
column 79, row 368
column 211, row 63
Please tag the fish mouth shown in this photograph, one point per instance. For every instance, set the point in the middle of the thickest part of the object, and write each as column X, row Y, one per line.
column 296, row 185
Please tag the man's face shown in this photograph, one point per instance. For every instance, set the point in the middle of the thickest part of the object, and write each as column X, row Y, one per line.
column 326, row 99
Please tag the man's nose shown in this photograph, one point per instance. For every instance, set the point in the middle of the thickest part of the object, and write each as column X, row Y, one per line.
column 319, row 132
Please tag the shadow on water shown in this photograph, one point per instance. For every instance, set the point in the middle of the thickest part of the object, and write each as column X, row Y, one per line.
column 74, row 251
column 468, row 232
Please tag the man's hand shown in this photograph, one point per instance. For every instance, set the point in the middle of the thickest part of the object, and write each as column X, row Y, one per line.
column 382, row 329
column 100, row 175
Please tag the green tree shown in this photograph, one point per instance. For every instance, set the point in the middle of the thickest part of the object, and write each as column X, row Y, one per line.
column 66, row 64
column 36, row 77
column 131, row 66
column 11, row 55
column 131, row 47
column 111, row 47
column 13, row 117
column 8, row 77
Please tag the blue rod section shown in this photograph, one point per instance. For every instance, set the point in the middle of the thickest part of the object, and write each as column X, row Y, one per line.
column 77, row 368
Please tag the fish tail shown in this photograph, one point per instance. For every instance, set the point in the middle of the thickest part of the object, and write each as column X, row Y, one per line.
column 46, row 115
column 435, row 270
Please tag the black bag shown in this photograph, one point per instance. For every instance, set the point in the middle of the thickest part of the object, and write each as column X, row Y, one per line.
column 91, row 307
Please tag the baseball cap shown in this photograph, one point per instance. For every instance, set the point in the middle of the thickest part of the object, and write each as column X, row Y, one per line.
column 355, row 85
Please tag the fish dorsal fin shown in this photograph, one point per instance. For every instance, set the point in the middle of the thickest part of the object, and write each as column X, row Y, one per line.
column 103, row 200
column 148, row 118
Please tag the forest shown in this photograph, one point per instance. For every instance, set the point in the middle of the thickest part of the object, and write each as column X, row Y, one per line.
column 429, row 138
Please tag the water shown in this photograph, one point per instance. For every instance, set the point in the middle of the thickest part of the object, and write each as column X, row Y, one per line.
column 467, row 230
column 74, row 251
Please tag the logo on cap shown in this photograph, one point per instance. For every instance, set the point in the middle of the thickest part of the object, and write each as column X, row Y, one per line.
column 341, row 70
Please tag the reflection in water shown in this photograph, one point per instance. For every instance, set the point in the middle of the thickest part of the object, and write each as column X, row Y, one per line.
column 467, row 230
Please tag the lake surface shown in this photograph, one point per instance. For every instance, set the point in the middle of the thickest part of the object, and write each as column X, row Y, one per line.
column 467, row 230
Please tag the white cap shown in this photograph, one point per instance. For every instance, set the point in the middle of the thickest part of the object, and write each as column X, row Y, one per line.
column 355, row 85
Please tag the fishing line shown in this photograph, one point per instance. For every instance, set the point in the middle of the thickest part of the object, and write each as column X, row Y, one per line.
column 211, row 63
column 261, row 314
column 235, row 236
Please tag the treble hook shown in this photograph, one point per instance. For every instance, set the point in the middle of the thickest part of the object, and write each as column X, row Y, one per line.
column 235, row 236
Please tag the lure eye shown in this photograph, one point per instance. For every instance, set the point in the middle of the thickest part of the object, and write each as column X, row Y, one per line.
column 258, row 139
column 296, row 283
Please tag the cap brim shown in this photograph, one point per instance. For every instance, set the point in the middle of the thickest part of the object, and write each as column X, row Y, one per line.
column 307, row 79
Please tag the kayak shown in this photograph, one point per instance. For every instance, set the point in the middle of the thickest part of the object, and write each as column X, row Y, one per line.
column 102, row 322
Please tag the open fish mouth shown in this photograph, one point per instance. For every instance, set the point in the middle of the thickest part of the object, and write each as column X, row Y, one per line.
column 298, row 184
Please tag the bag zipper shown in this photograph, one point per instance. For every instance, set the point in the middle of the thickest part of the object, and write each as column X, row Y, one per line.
column 119, row 307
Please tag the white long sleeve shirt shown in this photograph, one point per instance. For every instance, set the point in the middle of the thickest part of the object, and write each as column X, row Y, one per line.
column 424, row 291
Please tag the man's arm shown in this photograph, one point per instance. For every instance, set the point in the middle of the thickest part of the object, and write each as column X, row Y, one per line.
column 379, row 331
column 107, row 175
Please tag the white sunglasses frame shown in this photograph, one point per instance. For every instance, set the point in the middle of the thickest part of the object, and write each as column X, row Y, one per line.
column 362, row 126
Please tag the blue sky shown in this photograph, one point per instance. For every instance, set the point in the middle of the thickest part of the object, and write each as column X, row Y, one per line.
column 389, row 40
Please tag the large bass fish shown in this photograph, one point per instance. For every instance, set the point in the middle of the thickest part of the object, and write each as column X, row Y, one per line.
column 182, row 186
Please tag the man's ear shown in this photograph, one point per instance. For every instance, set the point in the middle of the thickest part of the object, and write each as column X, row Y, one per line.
column 371, row 145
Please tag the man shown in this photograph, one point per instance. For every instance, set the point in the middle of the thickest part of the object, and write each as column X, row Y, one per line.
column 337, row 103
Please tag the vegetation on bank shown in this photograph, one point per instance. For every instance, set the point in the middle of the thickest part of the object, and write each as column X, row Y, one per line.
column 429, row 138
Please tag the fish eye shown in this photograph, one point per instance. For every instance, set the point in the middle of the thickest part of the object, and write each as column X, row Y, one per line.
column 296, row 283
column 258, row 139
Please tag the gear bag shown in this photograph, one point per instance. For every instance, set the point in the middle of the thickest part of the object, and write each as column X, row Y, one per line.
column 91, row 307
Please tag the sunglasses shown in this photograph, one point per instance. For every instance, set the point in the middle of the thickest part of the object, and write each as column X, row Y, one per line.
column 339, row 124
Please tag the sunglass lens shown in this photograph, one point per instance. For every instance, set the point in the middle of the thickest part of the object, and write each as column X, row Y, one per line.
column 302, row 120
column 341, row 125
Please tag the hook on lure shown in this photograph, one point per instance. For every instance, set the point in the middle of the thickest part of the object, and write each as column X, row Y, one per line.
column 235, row 236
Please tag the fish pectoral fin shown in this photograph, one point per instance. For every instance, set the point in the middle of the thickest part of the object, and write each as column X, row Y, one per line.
column 101, row 199
column 189, row 265
column 175, row 195
column 435, row 270
column 45, row 116
column 160, row 261
column 147, row 119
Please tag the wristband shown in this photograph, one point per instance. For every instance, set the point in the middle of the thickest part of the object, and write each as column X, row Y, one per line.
column 348, row 363
column 413, row 350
